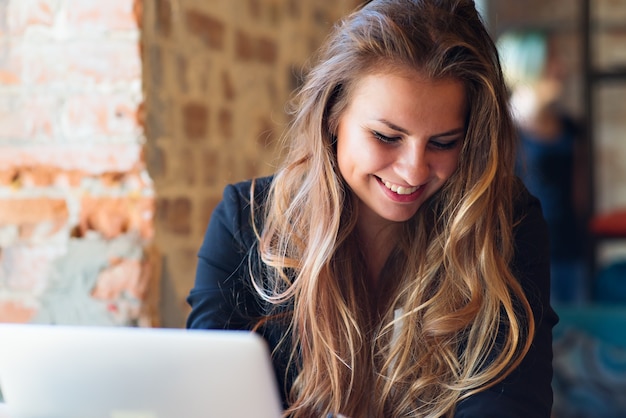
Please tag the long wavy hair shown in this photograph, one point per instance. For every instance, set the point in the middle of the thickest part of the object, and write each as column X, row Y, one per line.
column 455, row 320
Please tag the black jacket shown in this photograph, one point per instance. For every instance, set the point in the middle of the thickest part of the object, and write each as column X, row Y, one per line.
column 222, row 298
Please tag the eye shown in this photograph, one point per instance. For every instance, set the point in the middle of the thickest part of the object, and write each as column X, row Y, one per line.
column 443, row 146
column 384, row 138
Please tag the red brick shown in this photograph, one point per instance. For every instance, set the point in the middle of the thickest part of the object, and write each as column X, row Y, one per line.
column 175, row 214
column 140, row 114
column 210, row 30
column 91, row 115
column 121, row 277
column 32, row 210
column 267, row 51
column 113, row 216
column 89, row 158
column 295, row 9
column 226, row 123
column 254, row 8
column 35, row 219
column 8, row 175
column 228, row 90
column 248, row 48
column 10, row 66
column 38, row 176
column 16, row 311
column 195, row 120
column 163, row 23
column 150, row 281
column 138, row 12
column 89, row 15
column 12, row 63
column 244, row 46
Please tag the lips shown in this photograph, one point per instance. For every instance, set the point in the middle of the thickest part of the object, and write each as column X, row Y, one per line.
column 401, row 194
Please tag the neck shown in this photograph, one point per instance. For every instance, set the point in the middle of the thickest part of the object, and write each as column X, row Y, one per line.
column 377, row 240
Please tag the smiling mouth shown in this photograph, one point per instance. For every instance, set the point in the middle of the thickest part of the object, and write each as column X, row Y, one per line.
column 399, row 189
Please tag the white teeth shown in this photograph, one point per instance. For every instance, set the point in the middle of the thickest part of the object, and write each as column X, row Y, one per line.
column 400, row 189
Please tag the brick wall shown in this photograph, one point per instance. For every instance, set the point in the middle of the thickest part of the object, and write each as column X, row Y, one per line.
column 76, row 203
column 217, row 76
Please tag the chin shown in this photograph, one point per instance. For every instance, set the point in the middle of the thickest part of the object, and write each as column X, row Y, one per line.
column 399, row 218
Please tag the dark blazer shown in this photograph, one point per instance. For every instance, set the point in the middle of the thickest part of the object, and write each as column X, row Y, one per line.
column 222, row 298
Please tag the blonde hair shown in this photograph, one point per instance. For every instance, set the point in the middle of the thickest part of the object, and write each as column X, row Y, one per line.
column 455, row 321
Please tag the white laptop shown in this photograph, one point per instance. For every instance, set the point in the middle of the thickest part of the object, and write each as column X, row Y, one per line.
column 54, row 371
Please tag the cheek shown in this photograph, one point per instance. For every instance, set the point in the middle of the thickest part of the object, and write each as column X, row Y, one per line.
column 448, row 165
column 353, row 152
column 343, row 146
column 366, row 157
column 342, row 153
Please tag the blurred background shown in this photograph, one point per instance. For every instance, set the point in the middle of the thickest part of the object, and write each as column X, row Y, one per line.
column 122, row 121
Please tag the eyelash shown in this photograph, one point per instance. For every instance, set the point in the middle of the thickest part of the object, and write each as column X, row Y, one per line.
column 385, row 139
column 445, row 146
column 441, row 146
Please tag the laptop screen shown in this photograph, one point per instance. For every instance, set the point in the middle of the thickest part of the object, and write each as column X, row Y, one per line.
column 54, row 371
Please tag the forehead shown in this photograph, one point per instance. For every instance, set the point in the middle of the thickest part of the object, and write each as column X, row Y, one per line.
column 401, row 71
column 408, row 97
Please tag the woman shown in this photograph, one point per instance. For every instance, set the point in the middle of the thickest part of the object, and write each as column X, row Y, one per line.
column 550, row 161
column 394, row 263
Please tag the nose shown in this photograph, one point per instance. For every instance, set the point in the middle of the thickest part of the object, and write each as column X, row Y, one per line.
column 412, row 164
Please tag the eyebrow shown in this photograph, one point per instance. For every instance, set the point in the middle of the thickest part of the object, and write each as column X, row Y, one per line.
column 452, row 132
column 395, row 127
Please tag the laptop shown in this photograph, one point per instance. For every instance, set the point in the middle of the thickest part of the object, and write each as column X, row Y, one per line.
column 57, row 371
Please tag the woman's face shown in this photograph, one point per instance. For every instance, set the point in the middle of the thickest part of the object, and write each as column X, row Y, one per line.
column 398, row 141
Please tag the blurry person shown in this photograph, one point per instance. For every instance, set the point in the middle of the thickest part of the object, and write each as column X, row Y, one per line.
column 549, row 161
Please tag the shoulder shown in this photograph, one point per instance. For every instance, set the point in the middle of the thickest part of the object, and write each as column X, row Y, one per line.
column 530, row 228
column 527, row 211
column 238, row 201
column 531, row 259
column 239, row 194
column 237, row 197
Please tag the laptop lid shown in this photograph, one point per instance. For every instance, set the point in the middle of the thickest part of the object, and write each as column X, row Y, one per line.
column 55, row 371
